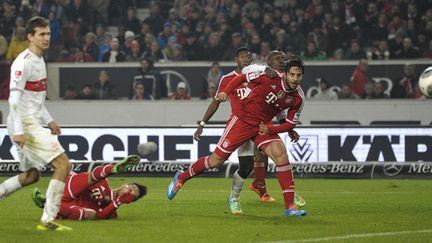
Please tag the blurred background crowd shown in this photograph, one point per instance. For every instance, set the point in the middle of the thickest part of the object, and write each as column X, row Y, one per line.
column 211, row 30
column 116, row 30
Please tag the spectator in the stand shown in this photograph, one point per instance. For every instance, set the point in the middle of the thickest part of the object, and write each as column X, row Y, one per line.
column 3, row 47
column 170, row 50
column 211, row 91
column 155, row 20
column 162, row 38
column 100, row 34
column 295, row 39
column 140, row 93
column 359, row 78
column 338, row 55
column 90, row 46
column 114, row 54
column 379, row 30
column 180, row 93
column 135, row 54
column 355, row 52
column 55, row 28
column 254, row 44
column 368, row 91
column 86, row 93
column 326, row 93
column 41, row 8
column 312, row 53
column 407, row 86
column 428, row 52
column 265, row 50
column 174, row 18
column 213, row 47
column 408, row 51
column 7, row 19
column 132, row 22
column 129, row 37
column 80, row 56
column 103, row 88
column 236, row 42
column 193, row 50
column 396, row 44
column 17, row 45
column 155, row 53
column 379, row 91
column 213, row 77
column 147, row 41
column 70, row 93
column 141, row 36
column 104, row 47
column 4, row 90
column 381, row 52
column 346, row 92
column 150, row 78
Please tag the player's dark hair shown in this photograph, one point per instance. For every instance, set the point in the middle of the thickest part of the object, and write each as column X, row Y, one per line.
column 34, row 23
column 142, row 189
column 243, row 48
column 295, row 62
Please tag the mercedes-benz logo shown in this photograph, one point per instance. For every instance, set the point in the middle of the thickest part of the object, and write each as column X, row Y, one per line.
column 392, row 169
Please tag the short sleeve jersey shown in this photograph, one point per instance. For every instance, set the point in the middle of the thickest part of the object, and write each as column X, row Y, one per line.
column 28, row 75
column 238, row 94
column 93, row 197
column 268, row 98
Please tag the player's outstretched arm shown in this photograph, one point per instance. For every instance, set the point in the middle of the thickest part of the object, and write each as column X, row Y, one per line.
column 211, row 110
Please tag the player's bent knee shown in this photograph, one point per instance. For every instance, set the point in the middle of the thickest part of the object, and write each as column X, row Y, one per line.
column 29, row 177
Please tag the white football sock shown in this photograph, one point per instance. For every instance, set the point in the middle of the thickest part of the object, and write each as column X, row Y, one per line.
column 237, row 185
column 9, row 186
column 53, row 200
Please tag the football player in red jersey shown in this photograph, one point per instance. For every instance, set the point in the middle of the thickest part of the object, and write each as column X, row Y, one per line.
column 267, row 98
column 88, row 196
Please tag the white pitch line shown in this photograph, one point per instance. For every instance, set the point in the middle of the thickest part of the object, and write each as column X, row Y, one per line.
column 345, row 237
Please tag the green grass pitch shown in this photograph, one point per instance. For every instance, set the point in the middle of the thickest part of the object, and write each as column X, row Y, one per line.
column 338, row 211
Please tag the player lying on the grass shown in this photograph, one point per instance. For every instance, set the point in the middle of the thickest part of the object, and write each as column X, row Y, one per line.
column 89, row 196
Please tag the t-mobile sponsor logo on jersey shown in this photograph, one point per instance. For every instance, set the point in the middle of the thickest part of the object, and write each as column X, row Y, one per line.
column 305, row 149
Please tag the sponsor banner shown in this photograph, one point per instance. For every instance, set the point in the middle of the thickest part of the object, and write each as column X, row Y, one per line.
column 359, row 144
column 342, row 170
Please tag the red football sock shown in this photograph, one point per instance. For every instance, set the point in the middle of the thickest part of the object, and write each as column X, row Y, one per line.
column 102, row 172
column 195, row 169
column 260, row 174
column 286, row 181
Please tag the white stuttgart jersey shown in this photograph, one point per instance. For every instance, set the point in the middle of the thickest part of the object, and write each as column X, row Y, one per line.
column 28, row 83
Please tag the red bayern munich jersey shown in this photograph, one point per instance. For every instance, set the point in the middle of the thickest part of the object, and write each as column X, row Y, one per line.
column 268, row 98
column 239, row 93
column 94, row 197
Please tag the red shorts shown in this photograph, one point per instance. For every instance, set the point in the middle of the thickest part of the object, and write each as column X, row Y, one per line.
column 236, row 133
column 70, row 211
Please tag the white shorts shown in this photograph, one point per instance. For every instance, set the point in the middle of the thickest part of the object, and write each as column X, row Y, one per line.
column 40, row 149
column 246, row 149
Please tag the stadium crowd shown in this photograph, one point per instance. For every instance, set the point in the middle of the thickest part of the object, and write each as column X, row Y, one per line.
column 200, row 29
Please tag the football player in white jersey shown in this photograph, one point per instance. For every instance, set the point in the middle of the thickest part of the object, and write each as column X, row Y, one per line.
column 36, row 145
